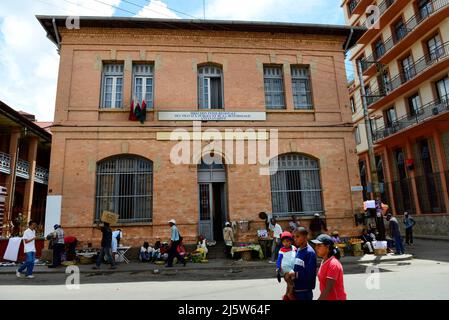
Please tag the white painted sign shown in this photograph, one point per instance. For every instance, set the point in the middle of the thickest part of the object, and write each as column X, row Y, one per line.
column 211, row 116
column 52, row 213
column 356, row 188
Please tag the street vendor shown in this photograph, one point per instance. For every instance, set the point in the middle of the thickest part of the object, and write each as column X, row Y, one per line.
column 228, row 235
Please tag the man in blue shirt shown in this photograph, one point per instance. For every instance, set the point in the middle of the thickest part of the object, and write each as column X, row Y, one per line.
column 305, row 269
column 174, row 244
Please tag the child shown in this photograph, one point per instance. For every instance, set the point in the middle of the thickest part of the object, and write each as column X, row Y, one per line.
column 286, row 263
column 145, row 252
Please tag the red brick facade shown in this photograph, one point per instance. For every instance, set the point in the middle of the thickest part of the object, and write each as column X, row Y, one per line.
column 84, row 134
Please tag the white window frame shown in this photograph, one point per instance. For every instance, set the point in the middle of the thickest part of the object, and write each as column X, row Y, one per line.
column 274, row 73
column 114, row 72
column 302, row 74
column 145, row 72
column 205, row 74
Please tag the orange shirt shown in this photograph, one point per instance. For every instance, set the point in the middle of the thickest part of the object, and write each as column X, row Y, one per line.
column 332, row 269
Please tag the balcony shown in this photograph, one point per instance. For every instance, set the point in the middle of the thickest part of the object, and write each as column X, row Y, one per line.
column 424, row 67
column 413, row 29
column 388, row 9
column 41, row 175
column 360, row 6
column 427, row 112
column 5, row 163
column 23, row 169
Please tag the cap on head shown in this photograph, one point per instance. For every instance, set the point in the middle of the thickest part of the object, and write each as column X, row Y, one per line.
column 323, row 239
column 56, row 226
column 227, row 224
column 335, row 233
column 317, row 215
column 173, row 221
column 286, row 235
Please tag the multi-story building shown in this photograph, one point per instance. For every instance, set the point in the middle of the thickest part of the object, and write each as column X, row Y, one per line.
column 227, row 76
column 24, row 161
column 405, row 64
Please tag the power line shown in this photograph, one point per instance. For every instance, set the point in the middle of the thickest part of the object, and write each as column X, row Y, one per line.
column 161, row 6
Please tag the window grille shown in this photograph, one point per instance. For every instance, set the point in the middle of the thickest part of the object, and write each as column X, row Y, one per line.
column 274, row 88
column 296, row 185
column 302, row 93
column 125, row 186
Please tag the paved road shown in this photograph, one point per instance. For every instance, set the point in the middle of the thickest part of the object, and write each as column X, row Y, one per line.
column 417, row 279
column 423, row 278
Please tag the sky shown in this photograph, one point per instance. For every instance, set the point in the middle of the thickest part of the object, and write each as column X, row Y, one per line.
column 29, row 61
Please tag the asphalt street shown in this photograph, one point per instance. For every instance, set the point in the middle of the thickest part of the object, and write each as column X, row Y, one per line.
column 423, row 278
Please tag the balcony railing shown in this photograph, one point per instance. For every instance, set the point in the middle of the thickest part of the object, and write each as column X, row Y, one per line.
column 41, row 175
column 383, row 6
column 352, row 5
column 438, row 54
column 424, row 113
column 5, row 163
column 23, row 169
column 409, row 26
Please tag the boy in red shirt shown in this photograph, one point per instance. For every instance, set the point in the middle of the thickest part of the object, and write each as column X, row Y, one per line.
column 331, row 270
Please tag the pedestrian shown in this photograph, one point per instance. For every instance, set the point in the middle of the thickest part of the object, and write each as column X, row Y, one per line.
column 116, row 237
column 228, row 235
column 286, row 263
column 409, row 223
column 29, row 237
column 330, row 274
column 175, row 240
column 317, row 226
column 381, row 209
column 395, row 234
column 106, row 243
column 294, row 224
column 304, row 271
column 277, row 232
column 58, row 245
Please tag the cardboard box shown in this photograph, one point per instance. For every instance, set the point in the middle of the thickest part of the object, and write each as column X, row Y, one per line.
column 109, row 217
column 380, row 252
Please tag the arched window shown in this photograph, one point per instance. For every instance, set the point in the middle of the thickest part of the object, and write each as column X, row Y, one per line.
column 210, row 87
column 125, row 186
column 295, row 185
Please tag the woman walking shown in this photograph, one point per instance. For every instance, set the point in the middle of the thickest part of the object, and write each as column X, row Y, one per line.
column 330, row 274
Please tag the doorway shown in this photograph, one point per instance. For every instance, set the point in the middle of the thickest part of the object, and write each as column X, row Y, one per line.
column 212, row 200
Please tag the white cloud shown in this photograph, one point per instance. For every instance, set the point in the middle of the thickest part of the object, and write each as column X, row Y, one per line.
column 28, row 60
column 157, row 9
column 301, row 11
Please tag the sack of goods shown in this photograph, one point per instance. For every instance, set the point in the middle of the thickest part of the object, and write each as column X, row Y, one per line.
column 109, row 217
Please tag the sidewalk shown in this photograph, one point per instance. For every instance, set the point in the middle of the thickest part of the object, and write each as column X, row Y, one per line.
column 216, row 264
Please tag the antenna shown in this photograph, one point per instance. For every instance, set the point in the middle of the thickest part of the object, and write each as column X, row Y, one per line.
column 204, row 9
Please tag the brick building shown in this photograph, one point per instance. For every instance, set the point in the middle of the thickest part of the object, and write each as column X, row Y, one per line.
column 226, row 75
column 405, row 66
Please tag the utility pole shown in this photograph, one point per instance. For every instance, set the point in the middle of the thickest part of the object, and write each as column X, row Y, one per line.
column 372, row 160
column 369, row 133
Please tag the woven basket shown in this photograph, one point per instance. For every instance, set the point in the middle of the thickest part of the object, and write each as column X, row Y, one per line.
column 86, row 260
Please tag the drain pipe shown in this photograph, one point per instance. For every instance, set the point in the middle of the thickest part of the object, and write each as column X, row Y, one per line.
column 58, row 40
column 349, row 40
